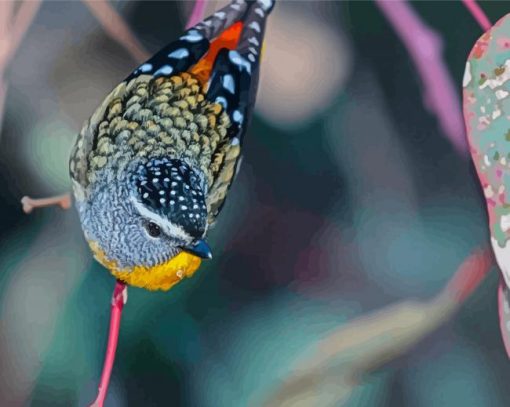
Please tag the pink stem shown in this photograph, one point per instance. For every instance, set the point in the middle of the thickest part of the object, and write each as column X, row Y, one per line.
column 478, row 14
column 22, row 21
column 470, row 274
column 424, row 46
column 119, row 298
column 197, row 14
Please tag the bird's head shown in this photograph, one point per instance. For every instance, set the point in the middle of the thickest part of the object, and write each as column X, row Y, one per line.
column 148, row 227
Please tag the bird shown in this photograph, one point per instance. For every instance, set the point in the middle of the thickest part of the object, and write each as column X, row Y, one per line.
column 152, row 166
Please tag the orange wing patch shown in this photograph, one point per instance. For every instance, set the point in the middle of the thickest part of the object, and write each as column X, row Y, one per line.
column 227, row 39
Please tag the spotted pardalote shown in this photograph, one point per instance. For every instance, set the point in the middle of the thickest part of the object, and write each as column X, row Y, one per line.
column 152, row 166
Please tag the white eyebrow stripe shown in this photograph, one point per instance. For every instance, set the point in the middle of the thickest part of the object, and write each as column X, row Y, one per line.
column 168, row 227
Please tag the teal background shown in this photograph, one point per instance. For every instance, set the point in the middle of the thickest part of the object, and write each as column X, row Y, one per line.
column 355, row 205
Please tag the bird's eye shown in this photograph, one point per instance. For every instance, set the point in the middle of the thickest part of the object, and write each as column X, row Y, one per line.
column 153, row 230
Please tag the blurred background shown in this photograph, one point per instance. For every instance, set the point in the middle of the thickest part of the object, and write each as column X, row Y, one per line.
column 350, row 197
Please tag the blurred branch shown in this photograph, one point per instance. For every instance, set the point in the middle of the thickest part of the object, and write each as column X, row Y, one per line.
column 197, row 14
column 478, row 14
column 117, row 28
column 424, row 46
column 22, row 20
column 13, row 26
column 367, row 343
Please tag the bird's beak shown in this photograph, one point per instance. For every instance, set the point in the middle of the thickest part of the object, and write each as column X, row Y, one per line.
column 200, row 249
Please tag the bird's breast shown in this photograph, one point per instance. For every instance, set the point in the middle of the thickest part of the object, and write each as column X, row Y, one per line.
column 161, row 276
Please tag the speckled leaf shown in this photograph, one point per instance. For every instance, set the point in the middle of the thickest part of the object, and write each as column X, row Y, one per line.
column 487, row 116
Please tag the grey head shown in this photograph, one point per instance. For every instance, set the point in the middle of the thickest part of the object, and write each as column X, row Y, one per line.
column 149, row 214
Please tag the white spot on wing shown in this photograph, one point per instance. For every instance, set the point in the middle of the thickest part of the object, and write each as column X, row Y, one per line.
column 259, row 12
column 254, row 26
column 164, row 70
column 266, row 4
column 228, row 83
column 220, row 14
column 238, row 60
column 237, row 116
column 146, row 67
column 251, row 57
column 179, row 53
column 192, row 36
column 254, row 41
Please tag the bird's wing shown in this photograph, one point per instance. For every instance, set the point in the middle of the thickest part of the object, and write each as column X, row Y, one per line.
column 223, row 53
column 231, row 68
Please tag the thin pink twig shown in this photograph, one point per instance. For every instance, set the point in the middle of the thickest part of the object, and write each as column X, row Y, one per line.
column 6, row 17
column 117, row 28
column 197, row 14
column 478, row 14
column 22, row 21
column 424, row 46
column 12, row 30
column 119, row 299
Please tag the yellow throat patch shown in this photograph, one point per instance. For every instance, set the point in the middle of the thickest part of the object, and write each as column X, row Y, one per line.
column 159, row 277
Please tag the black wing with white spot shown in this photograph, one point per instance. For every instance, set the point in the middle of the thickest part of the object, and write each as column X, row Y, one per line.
column 233, row 84
column 180, row 55
column 235, row 74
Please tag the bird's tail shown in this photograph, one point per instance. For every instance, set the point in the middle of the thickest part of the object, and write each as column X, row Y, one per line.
column 231, row 65
column 245, row 11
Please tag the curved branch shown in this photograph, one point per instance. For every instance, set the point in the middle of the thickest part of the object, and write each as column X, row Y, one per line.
column 369, row 342
column 117, row 28
column 424, row 46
